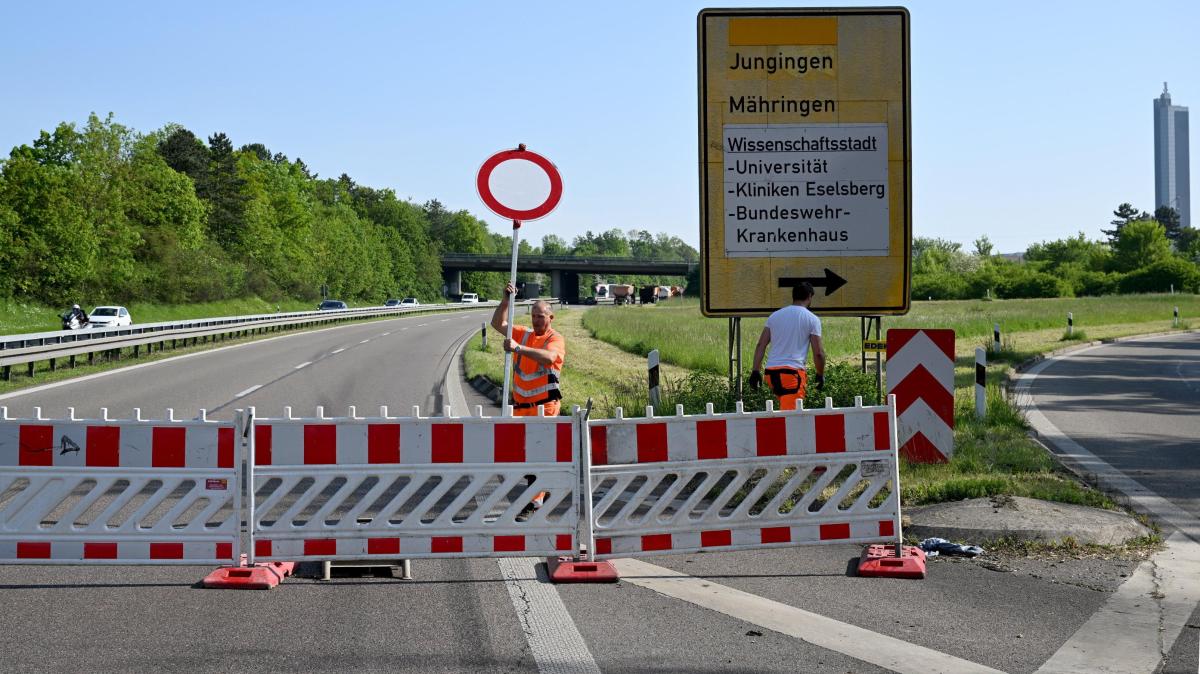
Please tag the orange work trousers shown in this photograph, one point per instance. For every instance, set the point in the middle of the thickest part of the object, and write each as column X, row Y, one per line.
column 788, row 384
column 551, row 409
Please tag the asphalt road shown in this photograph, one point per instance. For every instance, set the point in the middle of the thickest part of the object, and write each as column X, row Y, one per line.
column 1135, row 404
column 459, row 615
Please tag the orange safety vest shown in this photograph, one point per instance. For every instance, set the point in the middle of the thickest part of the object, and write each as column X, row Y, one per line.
column 533, row 383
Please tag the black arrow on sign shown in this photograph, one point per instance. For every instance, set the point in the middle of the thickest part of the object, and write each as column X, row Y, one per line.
column 831, row 282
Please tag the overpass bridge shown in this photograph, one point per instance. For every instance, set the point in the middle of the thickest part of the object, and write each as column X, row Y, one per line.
column 563, row 270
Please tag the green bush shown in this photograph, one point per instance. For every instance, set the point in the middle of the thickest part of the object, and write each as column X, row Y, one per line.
column 1160, row 276
column 1031, row 284
column 939, row 286
column 843, row 382
column 1096, row 283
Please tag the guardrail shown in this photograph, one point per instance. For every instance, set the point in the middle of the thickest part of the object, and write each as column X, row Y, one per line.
column 28, row 349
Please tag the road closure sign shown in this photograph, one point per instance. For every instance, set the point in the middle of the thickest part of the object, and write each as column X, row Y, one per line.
column 805, row 159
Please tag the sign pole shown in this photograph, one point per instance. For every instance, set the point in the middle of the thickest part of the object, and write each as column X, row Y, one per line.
column 512, row 309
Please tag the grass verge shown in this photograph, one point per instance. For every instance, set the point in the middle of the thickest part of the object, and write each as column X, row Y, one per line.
column 592, row 368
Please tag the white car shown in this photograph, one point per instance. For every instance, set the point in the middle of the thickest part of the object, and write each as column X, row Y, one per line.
column 109, row 317
column 410, row 302
column 470, row 298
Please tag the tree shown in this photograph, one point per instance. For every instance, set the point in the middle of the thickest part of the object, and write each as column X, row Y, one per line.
column 983, row 246
column 1169, row 218
column 258, row 150
column 1125, row 213
column 223, row 191
column 553, row 244
column 185, row 153
column 1077, row 250
column 1140, row 243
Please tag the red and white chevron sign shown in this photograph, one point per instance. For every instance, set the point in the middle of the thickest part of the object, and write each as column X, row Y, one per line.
column 920, row 373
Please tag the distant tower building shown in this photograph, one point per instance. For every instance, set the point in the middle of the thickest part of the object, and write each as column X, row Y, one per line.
column 1172, row 179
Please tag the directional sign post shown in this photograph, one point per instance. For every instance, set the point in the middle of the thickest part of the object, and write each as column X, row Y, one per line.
column 505, row 201
column 805, row 159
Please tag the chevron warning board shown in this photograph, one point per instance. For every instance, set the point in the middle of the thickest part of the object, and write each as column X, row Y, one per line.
column 920, row 373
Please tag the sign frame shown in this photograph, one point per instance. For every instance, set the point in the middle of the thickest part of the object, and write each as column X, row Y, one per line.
column 816, row 263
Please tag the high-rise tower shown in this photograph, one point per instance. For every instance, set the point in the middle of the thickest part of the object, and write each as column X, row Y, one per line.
column 1171, row 175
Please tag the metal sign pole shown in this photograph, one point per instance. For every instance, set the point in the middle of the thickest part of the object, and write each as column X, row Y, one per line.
column 508, row 357
column 737, row 323
column 878, row 363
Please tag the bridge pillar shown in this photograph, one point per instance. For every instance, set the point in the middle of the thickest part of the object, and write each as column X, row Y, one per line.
column 453, row 281
column 556, row 283
column 570, row 287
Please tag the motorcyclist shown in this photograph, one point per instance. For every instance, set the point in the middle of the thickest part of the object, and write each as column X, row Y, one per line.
column 76, row 314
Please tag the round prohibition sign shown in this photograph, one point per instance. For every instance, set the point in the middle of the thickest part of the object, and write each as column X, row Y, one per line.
column 482, row 183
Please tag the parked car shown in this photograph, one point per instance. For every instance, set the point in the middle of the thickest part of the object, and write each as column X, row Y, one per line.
column 589, row 300
column 410, row 302
column 392, row 303
column 470, row 298
column 331, row 305
column 109, row 317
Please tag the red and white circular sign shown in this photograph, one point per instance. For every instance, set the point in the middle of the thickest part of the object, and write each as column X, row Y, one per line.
column 519, row 185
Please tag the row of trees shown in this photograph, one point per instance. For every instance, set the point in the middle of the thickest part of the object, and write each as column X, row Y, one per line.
column 1142, row 253
column 101, row 213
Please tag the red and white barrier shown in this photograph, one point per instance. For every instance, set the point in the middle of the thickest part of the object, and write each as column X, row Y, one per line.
column 743, row 481
column 102, row 491
column 356, row 488
column 920, row 373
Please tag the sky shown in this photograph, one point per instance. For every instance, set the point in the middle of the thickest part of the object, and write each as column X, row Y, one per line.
column 1031, row 121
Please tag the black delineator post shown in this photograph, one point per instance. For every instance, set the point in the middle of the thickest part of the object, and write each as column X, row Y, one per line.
column 980, row 383
column 652, row 377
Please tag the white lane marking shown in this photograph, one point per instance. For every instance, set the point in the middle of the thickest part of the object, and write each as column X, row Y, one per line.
column 248, row 391
column 304, row 364
column 1152, row 606
column 364, row 341
column 338, row 350
column 385, row 334
column 443, row 320
column 404, row 328
column 556, row 643
column 856, row 642
column 421, row 325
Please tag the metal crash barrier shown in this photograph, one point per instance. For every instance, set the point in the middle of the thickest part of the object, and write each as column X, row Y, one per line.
column 361, row 489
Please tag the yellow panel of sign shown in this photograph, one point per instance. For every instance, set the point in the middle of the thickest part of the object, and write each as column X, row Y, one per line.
column 805, row 159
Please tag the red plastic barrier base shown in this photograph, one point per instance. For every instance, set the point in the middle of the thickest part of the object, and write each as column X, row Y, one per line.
column 880, row 561
column 261, row 576
column 570, row 570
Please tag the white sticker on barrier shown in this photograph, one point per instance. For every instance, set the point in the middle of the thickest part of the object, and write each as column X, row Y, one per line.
column 355, row 488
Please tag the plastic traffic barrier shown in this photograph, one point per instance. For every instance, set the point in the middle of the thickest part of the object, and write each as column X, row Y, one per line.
column 880, row 561
column 571, row 570
column 261, row 576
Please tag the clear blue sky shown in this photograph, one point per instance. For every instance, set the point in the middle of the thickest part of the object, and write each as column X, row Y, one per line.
column 1031, row 120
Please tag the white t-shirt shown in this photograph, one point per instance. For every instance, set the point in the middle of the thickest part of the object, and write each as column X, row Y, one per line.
column 790, row 329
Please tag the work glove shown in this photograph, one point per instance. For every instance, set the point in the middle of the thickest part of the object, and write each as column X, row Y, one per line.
column 820, row 382
column 755, row 380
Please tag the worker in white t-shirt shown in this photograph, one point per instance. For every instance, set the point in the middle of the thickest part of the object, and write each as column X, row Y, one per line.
column 790, row 332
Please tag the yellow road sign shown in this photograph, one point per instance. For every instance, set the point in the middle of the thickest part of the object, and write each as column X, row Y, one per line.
column 805, row 159
column 874, row 345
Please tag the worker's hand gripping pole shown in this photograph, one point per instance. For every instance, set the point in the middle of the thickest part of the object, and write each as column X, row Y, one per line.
column 512, row 308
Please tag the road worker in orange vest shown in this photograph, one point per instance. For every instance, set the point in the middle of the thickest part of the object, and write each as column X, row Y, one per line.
column 537, row 367
column 790, row 332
